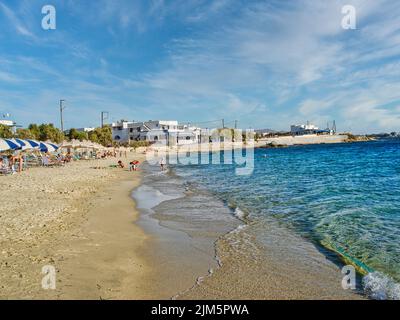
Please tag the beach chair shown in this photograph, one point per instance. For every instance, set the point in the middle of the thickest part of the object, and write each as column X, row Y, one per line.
column 5, row 168
column 6, row 171
column 46, row 162
column 32, row 160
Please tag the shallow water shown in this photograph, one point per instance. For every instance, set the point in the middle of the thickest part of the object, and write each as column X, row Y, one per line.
column 344, row 197
column 184, row 226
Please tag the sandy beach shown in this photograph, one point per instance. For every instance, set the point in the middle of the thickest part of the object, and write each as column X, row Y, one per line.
column 82, row 220
column 79, row 220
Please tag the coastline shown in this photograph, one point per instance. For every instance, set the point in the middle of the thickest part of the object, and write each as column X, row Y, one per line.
column 244, row 270
column 104, row 245
column 94, row 236
column 183, row 240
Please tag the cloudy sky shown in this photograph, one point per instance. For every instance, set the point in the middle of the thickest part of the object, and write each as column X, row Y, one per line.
column 267, row 64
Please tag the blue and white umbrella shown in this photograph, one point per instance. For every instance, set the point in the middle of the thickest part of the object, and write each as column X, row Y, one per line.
column 33, row 143
column 22, row 143
column 7, row 144
column 48, row 147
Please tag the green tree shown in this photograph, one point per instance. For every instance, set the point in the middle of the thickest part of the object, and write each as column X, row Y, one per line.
column 102, row 136
column 5, row 131
column 25, row 134
column 82, row 136
column 79, row 135
column 49, row 132
column 34, row 130
column 92, row 135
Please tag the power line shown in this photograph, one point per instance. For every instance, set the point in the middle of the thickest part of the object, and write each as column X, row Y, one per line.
column 223, row 122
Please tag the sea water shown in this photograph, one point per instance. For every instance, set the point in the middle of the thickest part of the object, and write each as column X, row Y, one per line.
column 342, row 197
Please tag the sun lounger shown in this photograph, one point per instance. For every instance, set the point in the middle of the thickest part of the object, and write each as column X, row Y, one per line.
column 32, row 161
column 5, row 171
column 46, row 162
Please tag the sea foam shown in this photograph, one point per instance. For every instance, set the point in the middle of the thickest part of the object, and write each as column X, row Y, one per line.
column 379, row 286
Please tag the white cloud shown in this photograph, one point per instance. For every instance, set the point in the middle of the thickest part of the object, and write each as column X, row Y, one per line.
column 231, row 60
column 15, row 21
column 310, row 106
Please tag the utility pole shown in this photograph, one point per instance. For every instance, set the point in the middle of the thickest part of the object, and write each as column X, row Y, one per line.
column 236, row 122
column 223, row 123
column 104, row 116
column 61, row 114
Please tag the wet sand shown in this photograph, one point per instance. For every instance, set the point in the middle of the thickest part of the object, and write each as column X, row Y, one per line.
column 287, row 268
column 183, row 243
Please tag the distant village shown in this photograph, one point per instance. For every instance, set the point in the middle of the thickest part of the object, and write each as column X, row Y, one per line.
column 156, row 130
column 126, row 132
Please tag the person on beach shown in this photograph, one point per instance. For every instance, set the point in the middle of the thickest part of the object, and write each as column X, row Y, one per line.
column 163, row 162
column 68, row 157
column 3, row 166
column 121, row 164
column 18, row 159
column 11, row 163
column 133, row 165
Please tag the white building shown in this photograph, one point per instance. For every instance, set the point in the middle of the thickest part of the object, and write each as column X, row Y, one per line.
column 155, row 130
column 303, row 129
column 9, row 123
column 85, row 129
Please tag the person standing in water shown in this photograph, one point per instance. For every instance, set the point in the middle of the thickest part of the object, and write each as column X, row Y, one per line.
column 163, row 162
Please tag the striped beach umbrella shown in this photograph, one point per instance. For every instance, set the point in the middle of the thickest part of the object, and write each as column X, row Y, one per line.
column 48, row 147
column 25, row 145
column 20, row 142
column 33, row 143
column 7, row 144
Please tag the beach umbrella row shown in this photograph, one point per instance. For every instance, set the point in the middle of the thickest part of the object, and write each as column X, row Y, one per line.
column 20, row 144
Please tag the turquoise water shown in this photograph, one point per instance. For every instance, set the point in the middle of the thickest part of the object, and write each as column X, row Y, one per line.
column 345, row 197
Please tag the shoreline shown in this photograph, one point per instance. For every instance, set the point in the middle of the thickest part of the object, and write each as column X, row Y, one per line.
column 97, row 243
column 106, row 246
column 247, row 274
column 183, row 251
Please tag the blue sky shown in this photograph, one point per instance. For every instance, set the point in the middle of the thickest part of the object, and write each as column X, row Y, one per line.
column 267, row 64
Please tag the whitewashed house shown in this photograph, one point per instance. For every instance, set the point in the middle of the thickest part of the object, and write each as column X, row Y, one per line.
column 305, row 129
column 9, row 123
column 169, row 132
